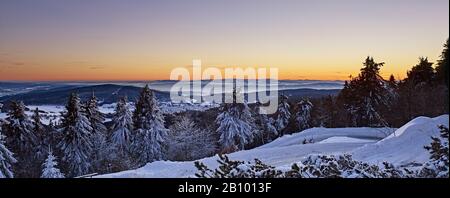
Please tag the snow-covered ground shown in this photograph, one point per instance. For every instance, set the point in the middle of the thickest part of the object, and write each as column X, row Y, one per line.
column 374, row 145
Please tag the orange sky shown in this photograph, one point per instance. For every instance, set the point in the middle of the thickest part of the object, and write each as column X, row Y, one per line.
column 143, row 40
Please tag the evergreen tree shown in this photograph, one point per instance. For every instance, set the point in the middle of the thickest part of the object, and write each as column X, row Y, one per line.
column 392, row 82
column 303, row 116
column 328, row 113
column 98, row 134
column 42, row 137
column 150, row 133
column 21, row 139
column 283, row 114
column 421, row 74
column 366, row 95
column 442, row 65
column 76, row 142
column 235, row 125
column 122, row 127
column 6, row 157
column 49, row 167
column 266, row 131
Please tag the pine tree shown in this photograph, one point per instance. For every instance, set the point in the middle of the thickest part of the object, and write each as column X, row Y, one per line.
column 21, row 139
column 98, row 133
column 283, row 114
column 6, row 157
column 76, row 142
column 303, row 116
column 121, row 132
column 235, row 125
column 150, row 133
column 49, row 167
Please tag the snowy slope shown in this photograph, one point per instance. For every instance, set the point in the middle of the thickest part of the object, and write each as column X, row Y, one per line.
column 374, row 145
column 280, row 153
column 405, row 145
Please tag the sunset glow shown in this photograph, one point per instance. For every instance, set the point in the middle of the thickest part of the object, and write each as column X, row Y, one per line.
column 50, row 40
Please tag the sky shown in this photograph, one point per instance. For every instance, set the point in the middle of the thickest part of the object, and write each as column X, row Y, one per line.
column 67, row 40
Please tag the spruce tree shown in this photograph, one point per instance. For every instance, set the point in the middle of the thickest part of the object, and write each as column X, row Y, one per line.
column 283, row 114
column 76, row 142
column 98, row 133
column 235, row 125
column 41, row 136
column 150, row 133
column 266, row 130
column 50, row 169
column 366, row 95
column 21, row 139
column 442, row 65
column 121, row 131
column 422, row 73
column 303, row 116
column 6, row 157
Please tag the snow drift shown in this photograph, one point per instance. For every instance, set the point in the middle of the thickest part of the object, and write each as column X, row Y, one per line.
column 405, row 145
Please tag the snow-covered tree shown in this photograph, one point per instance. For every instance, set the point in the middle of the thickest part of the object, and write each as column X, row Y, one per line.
column 121, row 131
column 41, row 136
column 6, row 157
column 50, row 169
column 283, row 114
column 150, row 134
column 187, row 142
column 98, row 134
column 21, row 139
column 266, row 130
column 122, row 126
column 235, row 126
column 303, row 116
column 76, row 142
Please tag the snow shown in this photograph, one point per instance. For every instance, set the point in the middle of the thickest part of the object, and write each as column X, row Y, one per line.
column 320, row 134
column 405, row 145
column 373, row 145
column 344, row 140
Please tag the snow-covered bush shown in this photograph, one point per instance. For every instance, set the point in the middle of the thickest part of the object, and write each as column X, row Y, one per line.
column 314, row 166
column 237, row 169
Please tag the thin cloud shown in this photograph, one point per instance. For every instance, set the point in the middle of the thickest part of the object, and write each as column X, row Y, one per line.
column 97, row 67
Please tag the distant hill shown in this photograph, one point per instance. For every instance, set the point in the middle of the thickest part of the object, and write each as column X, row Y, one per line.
column 110, row 93
column 106, row 94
